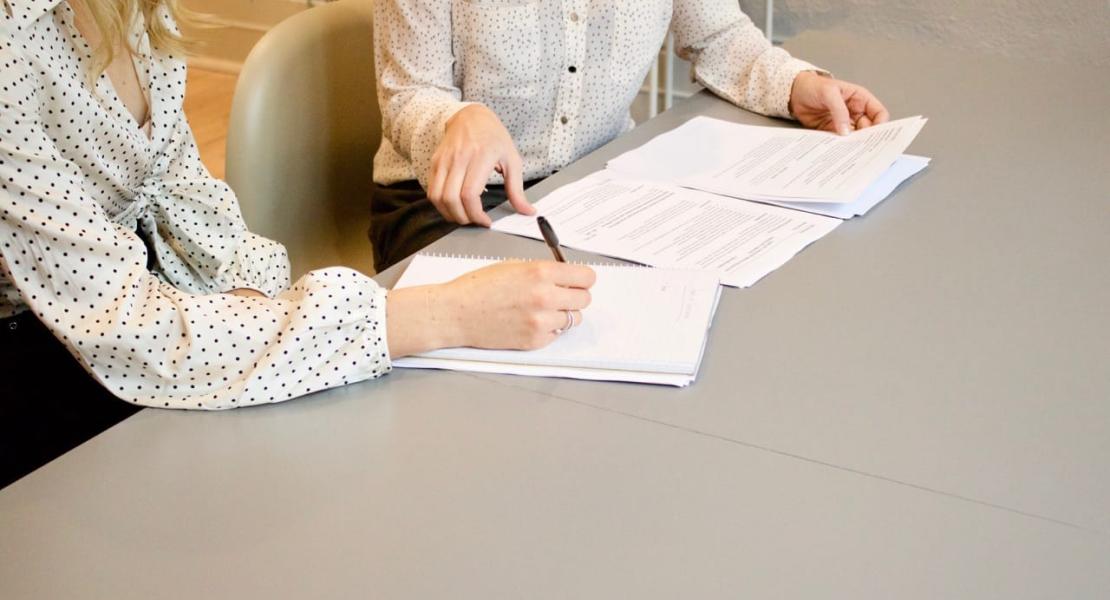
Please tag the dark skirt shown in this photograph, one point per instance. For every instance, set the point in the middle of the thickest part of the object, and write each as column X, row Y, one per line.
column 48, row 403
column 403, row 221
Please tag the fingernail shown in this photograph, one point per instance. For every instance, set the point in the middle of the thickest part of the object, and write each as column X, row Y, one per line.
column 844, row 129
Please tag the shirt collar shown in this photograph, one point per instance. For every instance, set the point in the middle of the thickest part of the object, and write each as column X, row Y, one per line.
column 29, row 11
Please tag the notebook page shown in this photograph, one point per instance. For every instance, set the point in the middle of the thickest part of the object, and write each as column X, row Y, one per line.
column 639, row 319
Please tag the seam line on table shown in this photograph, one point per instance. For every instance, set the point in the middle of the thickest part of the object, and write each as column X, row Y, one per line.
column 808, row 459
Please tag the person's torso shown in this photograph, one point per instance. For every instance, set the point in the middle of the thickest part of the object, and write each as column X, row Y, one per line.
column 560, row 75
column 118, row 165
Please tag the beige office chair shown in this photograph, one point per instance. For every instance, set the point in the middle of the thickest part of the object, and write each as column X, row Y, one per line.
column 305, row 124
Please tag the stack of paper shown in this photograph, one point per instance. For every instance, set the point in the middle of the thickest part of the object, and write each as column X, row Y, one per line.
column 643, row 325
column 679, row 200
column 815, row 171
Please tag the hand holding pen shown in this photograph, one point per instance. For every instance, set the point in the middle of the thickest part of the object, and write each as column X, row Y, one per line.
column 550, row 238
column 552, row 241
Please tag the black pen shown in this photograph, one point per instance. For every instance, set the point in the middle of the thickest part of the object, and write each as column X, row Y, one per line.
column 552, row 240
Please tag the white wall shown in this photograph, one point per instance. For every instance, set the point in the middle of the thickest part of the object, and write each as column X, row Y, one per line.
column 1075, row 31
column 1041, row 30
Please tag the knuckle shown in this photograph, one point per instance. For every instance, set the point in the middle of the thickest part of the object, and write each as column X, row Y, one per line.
column 532, row 323
column 537, row 271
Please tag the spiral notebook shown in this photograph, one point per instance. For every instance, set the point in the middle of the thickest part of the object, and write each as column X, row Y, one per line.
column 643, row 325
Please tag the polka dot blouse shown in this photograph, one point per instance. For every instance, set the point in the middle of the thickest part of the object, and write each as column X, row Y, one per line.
column 122, row 243
column 560, row 74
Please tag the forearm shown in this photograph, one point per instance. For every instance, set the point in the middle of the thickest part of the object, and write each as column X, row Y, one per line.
column 417, row 320
column 733, row 59
column 414, row 62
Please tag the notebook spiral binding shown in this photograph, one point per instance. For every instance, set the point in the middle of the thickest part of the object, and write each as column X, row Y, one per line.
column 517, row 259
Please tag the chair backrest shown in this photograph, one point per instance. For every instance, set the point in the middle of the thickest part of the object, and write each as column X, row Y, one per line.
column 304, row 127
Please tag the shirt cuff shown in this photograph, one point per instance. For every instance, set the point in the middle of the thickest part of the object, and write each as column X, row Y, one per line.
column 342, row 303
column 260, row 264
column 381, row 356
column 377, row 361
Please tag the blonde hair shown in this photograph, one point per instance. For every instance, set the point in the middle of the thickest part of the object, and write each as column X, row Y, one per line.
column 114, row 19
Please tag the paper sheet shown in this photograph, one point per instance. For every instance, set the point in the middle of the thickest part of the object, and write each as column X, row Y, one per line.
column 669, row 226
column 770, row 163
column 419, row 362
column 904, row 167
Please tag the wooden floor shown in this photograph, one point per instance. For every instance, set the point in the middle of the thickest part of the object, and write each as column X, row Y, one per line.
column 208, row 106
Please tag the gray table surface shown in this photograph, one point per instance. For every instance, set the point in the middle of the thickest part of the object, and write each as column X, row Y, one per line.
column 958, row 337
column 917, row 406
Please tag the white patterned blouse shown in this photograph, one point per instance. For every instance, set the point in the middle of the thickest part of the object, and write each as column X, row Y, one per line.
column 561, row 74
column 122, row 243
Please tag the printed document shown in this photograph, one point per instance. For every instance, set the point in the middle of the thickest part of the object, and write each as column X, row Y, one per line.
column 771, row 164
column 905, row 167
column 665, row 225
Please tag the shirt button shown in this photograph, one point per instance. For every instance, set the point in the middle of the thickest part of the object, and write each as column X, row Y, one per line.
column 572, row 69
column 574, row 17
column 563, row 120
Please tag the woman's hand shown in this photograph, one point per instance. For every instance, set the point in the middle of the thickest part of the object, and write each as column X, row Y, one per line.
column 511, row 305
column 821, row 102
column 475, row 144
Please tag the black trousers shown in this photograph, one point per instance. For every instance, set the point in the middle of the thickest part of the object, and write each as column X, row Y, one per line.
column 48, row 403
column 403, row 221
